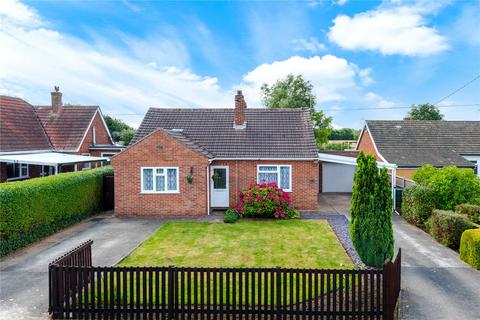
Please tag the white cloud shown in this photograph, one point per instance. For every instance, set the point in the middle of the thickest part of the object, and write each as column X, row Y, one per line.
column 376, row 101
column 341, row 2
column 330, row 76
column 121, row 80
column 396, row 30
column 311, row 45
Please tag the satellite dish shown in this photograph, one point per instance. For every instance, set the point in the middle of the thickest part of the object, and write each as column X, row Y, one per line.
column 115, row 134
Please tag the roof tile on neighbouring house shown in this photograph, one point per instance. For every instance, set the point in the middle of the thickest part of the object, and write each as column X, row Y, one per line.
column 66, row 128
column 20, row 127
column 415, row 143
column 269, row 133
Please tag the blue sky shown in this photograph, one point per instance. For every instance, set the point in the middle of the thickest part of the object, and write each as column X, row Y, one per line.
column 129, row 55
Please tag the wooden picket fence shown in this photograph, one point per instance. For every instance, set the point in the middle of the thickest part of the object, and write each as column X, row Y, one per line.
column 79, row 290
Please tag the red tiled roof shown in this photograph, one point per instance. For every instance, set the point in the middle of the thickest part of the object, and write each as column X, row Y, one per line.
column 20, row 128
column 66, row 128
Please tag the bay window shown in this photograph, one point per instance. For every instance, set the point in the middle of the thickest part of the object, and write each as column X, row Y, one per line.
column 159, row 180
column 280, row 174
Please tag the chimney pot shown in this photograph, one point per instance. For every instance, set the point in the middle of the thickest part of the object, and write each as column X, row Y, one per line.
column 240, row 106
column 56, row 99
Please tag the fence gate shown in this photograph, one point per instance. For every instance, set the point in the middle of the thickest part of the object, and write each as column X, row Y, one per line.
column 108, row 193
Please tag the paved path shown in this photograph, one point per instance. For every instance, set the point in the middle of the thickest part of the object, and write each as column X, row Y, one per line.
column 24, row 277
column 436, row 284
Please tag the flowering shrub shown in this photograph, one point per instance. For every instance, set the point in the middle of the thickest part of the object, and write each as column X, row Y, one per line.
column 266, row 201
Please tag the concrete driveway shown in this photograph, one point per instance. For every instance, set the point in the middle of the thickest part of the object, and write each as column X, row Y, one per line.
column 24, row 276
column 436, row 284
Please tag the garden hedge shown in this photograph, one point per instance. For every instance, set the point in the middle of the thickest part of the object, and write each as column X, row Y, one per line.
column 451, row 185
column 470, row 210
column 35, row 208
column 418, row 202
column 470, row 247
column 447, row 227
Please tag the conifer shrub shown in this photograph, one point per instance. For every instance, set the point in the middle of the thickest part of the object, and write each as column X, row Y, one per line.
column 371, row 212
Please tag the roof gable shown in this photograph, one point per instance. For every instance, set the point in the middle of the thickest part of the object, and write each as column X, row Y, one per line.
column 20, row 128
column 270, row 133
column 415, row 143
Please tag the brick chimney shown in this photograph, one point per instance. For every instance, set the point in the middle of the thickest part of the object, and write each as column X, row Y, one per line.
column 240, row 106
column 56, row 99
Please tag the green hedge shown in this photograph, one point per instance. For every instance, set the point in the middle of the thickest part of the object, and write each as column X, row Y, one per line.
column 470, row 247
column 451, row 185
column 35, row 208
column 418, row 202
column 470, row 210
column 447, row 227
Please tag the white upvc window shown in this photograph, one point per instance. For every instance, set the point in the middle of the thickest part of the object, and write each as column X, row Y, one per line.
column 86, row 165
column 16, row 171
column 159, row 180
column 280, row 174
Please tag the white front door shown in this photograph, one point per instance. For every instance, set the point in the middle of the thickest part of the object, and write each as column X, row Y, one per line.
column 219, row 187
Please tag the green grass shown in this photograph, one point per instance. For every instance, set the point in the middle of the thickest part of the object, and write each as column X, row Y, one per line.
column 247, row 243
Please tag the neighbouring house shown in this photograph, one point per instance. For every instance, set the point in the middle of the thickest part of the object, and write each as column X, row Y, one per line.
column 185, row 162
column 411, row 144
column 37, row 141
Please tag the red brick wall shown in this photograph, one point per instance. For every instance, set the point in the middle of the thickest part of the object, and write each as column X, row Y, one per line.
column 101, row 135
column 157, row 150
column 366, row 144
column 304, row 180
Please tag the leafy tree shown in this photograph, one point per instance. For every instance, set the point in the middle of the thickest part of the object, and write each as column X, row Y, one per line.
column 344, row 134
column 127, row 135
column 296, row 92
column 119, row 130
column 426, row 111
column 371, row 221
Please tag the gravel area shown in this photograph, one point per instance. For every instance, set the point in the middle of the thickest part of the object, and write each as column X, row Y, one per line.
column 341, row 227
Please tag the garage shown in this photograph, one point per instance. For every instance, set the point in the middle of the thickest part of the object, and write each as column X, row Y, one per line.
column 337, row 177
column 336, row 172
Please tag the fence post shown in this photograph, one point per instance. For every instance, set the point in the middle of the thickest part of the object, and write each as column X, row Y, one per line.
column 171, row 293
column 388, row 290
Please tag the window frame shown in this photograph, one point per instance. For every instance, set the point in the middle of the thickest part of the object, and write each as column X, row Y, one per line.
column 20, row 176
column 277, row 172
column 154, row 170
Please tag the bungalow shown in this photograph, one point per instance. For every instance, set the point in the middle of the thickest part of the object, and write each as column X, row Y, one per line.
column 189, row 161
column 37, row 141
column 411, row 144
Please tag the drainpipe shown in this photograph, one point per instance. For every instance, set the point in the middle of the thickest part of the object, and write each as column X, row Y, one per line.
column 208, row 188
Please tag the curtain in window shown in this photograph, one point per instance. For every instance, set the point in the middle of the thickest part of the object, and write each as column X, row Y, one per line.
column 147, row 179
column 160, row 180
column 268, row 177
column 285, row 177
column 172, row 179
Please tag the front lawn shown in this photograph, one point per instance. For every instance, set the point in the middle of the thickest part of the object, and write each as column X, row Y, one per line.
column 247, row 243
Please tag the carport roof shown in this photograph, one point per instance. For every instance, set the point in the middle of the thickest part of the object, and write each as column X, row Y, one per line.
column 48, row 158
column 350, row 160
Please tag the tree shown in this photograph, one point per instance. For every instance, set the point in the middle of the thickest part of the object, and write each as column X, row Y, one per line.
column 344, row 134
column 296, row 92
column 120, row 131
column 425, row 111
column 371, row 212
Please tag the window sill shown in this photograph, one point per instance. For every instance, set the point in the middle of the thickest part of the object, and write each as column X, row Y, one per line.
column 153, row 192
column 18, row 178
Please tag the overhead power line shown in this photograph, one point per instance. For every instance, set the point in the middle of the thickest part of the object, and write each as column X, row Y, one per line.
column 344, row 109
column 457, row 90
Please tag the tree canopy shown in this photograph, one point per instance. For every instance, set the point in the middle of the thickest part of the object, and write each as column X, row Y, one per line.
column 119, row 130
column 425, row 111
column 344, row 134
column 296, row 92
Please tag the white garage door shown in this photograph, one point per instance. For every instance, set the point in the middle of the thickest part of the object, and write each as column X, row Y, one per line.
column 337, row 177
